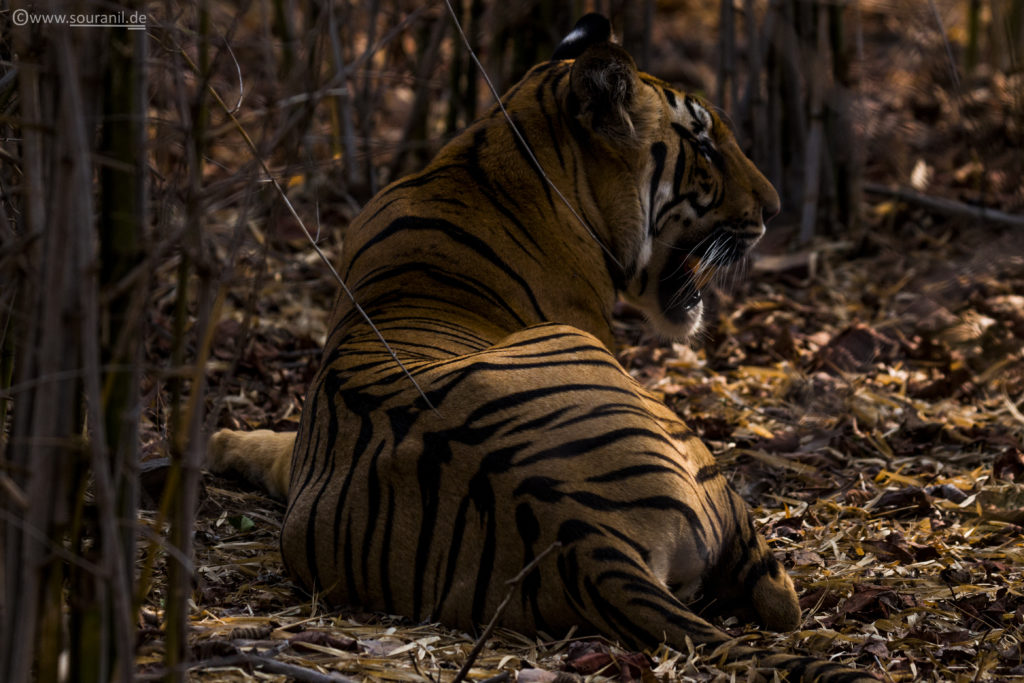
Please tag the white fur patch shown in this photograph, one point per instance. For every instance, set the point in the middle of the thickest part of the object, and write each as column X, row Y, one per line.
column 705, row 118
column 574, row 35
column 644, row 257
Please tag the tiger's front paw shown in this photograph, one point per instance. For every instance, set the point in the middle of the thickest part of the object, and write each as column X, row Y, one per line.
column 261, row 457
column 220, row 452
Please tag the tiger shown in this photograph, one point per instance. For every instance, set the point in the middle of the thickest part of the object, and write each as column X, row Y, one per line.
column 507, row 434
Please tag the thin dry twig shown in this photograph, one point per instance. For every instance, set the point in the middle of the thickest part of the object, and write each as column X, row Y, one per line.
column 298, row 673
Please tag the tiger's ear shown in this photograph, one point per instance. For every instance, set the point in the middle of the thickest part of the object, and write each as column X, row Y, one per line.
column 604, row 82
column 591, row 29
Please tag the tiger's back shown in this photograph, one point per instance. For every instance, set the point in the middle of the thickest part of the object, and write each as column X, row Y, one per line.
column 497, row 298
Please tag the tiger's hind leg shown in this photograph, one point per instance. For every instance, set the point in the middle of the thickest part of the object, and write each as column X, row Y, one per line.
column 614, row 590
column 261, row 457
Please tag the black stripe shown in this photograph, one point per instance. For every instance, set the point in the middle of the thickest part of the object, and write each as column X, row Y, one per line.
column 329, row 387
column 681, row 432
column 541, row 488
column 643, row 282
column 637, row 583
column 373, row 496
column 584, row 446
column 684, row 619
column 348, row 539
column 452, row 565
column 681, row 166
column 459, row 236
column 624, row 473
column 436, row 452
column 703, row 145
column 585, row 347
column 556, row 336
column 572, row 530
column 454, row 280
column 596, row 501
column 528, row 527
column 480, row 179
column 606, row 554
column 685, row 161
column 530, row 75
column 609, row 410
column 483, row 497
column 618, row 621
column 658, row 152
column 538, row 423
column 569, row 572
column 523, row 146
column 547, row 92
column 460, row 374
column 385, row 556
column 641, row 551
column 707, row 473
column 766, row 566
column 348, row 564
column 690, row 106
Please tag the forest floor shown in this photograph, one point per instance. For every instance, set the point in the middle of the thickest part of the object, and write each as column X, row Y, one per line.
column 865, row 393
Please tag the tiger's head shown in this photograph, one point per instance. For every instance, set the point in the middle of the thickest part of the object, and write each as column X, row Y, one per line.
column 680, row 202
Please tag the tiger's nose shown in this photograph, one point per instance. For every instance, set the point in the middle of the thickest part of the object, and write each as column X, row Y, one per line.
column 770, row 203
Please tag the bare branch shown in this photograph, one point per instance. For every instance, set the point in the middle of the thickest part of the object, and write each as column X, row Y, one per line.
column 947, row 206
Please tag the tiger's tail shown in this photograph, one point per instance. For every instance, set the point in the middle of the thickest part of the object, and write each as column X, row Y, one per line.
column 261, row 457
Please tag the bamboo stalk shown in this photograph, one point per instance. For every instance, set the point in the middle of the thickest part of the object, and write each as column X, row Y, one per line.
column 186, row 420
column 345, row 134
column 367, row 100
column 115, row 405
column 459, row 76
column 25, row 579
column 973, row 34
column 752, row 108
column 814, row 151
column 100, row 621
column 842, row 139
column 46, row 449
column 774, row 108
column 415, row 131
column 9, row 245
column 637, row 21
column 7, row 351
column 286, row 34
column 791, row 116
column 1015, row 33
column 727, row 87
